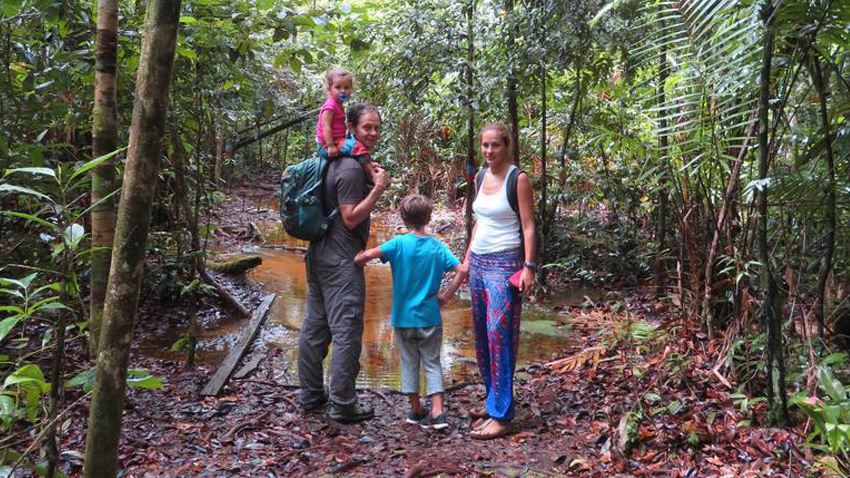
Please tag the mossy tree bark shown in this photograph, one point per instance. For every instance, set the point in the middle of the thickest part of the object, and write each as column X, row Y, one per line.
column 149, row 114
column 104, row 177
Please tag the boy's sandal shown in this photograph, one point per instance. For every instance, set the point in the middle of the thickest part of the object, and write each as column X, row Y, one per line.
column 480, row 434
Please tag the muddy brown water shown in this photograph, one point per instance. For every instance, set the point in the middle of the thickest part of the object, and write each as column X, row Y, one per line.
column 282, row 272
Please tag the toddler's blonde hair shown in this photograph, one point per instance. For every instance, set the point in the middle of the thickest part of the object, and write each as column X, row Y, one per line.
column 337, row 72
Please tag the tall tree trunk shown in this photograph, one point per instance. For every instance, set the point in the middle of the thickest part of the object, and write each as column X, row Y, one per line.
column 568, row 131
column 770, row 307
column 219, row 155
column 104, row 177
column 149, row 114
column 547, row 214
column 56, row 386
column 513, row 112
column 190, row 218
column 829, row 207
column 731, row 187
column 470, row 143
column 661, row 213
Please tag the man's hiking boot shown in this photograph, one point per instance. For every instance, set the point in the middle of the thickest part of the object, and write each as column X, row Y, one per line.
column 316, row 406
column 351, row 413
column 437, row 423
column 414, row 418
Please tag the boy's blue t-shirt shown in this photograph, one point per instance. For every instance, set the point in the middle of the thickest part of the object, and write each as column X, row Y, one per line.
column 418, row 264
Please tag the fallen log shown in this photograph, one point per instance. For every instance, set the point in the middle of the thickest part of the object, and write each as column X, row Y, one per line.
column 225, row 295
column 239, row 265
column 222, row 374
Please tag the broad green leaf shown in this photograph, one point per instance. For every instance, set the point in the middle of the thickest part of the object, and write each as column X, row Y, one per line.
column 11, row 188
column 7, row 324
column 11, row 7
column 32, row 171
column 73, row 234
column 28, row 374
column 94, row 163
column 652, row 397
column 180, row 345
column 12, row 292
column 187, row 53
column 26, row 281
column 30, row 217
column 137, row 378
column 7, row 404
column 83, row 379
column 54, row 306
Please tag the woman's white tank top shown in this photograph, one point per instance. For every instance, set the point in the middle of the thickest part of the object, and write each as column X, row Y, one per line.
column 497, row 225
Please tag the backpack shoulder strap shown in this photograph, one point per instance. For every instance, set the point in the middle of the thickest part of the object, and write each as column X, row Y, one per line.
column 479, row 179
column 513, row 179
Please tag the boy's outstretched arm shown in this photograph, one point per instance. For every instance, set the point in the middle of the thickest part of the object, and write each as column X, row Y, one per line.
column 363, row 257
column 460, row 274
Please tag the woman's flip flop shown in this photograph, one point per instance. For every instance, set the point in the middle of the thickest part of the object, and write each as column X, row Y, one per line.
column 482, row 434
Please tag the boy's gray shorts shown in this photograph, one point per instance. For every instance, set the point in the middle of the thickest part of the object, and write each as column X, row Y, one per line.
column 415, row 345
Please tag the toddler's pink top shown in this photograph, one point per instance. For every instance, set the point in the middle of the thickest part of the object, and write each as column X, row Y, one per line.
column 337, row 125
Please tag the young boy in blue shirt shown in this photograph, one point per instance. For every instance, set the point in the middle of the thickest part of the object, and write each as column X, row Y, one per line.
column 418, row 262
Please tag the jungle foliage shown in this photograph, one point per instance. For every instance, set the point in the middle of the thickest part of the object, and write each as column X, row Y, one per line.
column 702, row 147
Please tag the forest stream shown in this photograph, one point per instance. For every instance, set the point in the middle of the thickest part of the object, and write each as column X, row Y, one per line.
column 282, row 272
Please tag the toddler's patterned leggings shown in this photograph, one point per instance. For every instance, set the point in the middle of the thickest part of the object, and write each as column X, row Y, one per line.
column 496, row 311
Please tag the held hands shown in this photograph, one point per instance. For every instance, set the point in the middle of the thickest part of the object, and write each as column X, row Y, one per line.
column 333, row 151
column 360, row 259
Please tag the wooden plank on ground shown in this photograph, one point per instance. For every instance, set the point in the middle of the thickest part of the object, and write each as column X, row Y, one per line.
column 249, row 333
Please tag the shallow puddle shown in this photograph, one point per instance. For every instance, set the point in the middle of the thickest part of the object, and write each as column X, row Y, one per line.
column 282, row 273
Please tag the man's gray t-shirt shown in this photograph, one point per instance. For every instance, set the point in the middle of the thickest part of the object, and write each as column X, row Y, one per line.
column 345, row 183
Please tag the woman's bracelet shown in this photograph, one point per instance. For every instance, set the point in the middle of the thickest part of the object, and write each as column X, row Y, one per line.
column 530, row 265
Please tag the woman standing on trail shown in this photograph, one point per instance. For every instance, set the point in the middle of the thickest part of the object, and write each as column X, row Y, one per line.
column 336, row 287
column 503, row 243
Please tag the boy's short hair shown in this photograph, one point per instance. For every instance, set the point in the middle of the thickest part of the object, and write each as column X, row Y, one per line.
column 415, row 210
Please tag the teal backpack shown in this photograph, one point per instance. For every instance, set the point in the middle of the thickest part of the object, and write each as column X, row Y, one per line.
column 302, row 208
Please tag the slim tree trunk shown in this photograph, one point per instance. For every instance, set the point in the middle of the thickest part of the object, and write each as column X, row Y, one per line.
column 661, row 217
column 829, row 207
column 470, row 143
column 770, row 308
column 219, row 155
column 56, row 386
column 149, row 114
column 731, row 187
column 547, row 214
column 568, row 131
column 513, row 112
column 104, row 177
column 191, row 220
